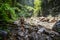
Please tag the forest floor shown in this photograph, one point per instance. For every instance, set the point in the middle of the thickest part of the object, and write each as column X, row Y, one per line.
column 40, row 28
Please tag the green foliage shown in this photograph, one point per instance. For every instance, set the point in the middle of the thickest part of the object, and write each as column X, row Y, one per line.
column 24, row 11
column 10, row 13
column 37, row 7
column 7, row 13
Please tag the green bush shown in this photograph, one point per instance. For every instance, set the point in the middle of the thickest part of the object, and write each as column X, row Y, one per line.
column 24, row 10
column 7, row 13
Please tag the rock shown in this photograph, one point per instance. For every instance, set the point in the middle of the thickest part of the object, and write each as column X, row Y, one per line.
column 21, row 34
column 17, row 22
column 52, row 20
column 27, row 26
column 41, row 30
column 3, row 33
column 56, row 27
column 45, row 20
column 42, row 18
